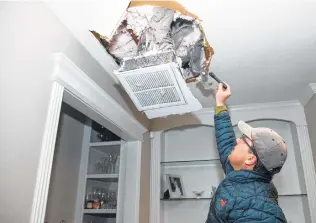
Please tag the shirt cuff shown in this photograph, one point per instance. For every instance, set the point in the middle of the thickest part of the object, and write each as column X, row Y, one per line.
column 219, row 109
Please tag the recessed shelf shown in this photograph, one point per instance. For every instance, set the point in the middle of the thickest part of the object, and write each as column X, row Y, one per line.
column 99, row 211
column 103, row 177
column 209, row 198
column 291, row 195
column 110, row 143
column 209, row 162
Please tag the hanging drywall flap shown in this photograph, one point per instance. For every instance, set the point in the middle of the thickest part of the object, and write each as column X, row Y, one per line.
column 160, row 47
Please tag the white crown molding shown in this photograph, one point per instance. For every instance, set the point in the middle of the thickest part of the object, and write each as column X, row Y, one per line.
column 291, row 111
column 77, row 83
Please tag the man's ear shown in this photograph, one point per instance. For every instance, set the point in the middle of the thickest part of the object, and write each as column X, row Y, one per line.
column 251, row 160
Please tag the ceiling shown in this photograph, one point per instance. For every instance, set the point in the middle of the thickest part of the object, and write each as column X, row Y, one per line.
column 265, row 49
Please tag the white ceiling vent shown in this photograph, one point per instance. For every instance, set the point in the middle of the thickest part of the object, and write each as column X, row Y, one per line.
column 159, row 88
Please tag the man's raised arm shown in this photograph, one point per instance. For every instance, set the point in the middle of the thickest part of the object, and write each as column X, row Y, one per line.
column 224, row 132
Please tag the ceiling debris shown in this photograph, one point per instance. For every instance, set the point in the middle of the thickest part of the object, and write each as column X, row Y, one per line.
column 153, row 34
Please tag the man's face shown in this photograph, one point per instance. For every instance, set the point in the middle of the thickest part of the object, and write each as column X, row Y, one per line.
column 242, row 157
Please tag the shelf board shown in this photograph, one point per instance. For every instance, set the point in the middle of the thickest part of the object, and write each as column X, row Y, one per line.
column 103, row 177
column 99, row 211
column 110, row 143
column 291, row 195
column 209, row 198
column 187, row 199
column 209, row 162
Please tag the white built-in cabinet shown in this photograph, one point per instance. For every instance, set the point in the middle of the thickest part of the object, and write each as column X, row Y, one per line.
column 100, row 181
column 187, row 148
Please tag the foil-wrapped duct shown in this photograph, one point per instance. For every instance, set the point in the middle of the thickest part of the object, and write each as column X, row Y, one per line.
column 122, row 44
column 188, row 41
column 147, row 42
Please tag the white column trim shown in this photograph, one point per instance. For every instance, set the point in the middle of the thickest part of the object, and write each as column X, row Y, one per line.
column 121, row 183
column 308, row 168
column 154, row 215
column 132, row 191
column 47, row 155
column 84, row 162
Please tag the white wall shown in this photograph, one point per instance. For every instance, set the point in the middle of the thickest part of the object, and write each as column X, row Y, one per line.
column 64, row 179
column 145, row 180
column 310, row 112
column 29, row 34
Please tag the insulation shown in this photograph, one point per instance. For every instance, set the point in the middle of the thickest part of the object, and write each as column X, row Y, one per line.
column 158, row 32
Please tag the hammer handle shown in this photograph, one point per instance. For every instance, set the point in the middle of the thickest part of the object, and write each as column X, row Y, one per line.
column 218, row 80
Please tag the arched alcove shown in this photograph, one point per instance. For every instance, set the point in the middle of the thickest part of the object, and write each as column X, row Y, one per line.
column 190, row 152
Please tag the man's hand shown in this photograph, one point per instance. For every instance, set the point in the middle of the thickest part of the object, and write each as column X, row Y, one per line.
column 222, row 95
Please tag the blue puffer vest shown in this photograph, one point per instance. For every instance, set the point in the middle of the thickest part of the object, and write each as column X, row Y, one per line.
column 243, row 196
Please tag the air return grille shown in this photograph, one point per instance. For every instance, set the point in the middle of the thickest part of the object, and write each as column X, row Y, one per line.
column 153, row 87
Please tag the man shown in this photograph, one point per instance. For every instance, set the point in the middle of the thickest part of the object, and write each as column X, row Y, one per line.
column 247, row 193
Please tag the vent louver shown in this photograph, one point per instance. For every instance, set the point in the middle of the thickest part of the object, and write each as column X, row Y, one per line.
column 153, row 87
column 158, row 90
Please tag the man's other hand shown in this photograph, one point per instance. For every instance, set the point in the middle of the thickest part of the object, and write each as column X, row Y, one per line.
column 221, row 94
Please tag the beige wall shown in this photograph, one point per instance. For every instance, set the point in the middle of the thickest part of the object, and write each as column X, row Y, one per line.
column 29, row 34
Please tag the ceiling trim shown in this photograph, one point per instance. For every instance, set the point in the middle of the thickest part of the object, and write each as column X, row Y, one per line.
column 291, row 111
